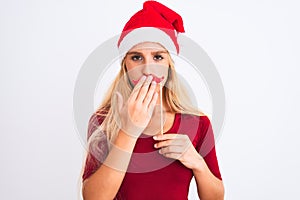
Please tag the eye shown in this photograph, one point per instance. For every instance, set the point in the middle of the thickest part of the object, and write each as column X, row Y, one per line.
column 158, row 57
column 136, row 58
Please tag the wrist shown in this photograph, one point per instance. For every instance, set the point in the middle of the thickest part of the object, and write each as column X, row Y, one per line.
column 125, row 141
column 133, row 132
column 199, row 165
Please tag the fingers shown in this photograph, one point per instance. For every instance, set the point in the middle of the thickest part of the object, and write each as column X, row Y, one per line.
column 144, row 92
column 168, row 143
column 166, row 136
column 172, row 145
column 136, row 113
column 137, row 87
column 149, row 95
column 172, row 149
column 144, row 89
column 153, row 102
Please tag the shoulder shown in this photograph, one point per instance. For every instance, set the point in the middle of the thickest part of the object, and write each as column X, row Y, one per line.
column 200, row 118
column 201, row 121
column 95, row 121
column 196, row 122
column 195, row 126
column 98, row 117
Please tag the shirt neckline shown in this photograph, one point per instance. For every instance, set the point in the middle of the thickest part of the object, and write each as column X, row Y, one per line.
column 175, row 123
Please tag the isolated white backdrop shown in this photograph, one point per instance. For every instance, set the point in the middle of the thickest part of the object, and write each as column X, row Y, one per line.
column 255, row 46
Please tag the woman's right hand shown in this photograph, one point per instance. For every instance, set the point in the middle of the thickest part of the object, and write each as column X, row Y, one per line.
column 136, row 113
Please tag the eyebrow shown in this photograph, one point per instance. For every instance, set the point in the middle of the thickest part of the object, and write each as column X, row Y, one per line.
column 153, row 53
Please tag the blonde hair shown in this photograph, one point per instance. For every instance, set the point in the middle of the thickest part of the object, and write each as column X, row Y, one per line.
column 175, row 96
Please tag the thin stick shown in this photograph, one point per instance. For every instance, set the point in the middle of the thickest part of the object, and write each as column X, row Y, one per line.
column 161, row 111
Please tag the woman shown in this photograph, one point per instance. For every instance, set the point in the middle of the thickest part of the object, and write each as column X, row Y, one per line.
column 146, row 141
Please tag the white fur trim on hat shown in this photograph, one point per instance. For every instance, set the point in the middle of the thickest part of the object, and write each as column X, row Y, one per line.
column 146, row 34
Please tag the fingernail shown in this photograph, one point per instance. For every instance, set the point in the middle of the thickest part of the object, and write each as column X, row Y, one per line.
column 155, row 137
column 155, row 145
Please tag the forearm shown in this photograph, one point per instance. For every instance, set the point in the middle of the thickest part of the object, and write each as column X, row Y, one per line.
column 106, row 181
column 209, row 187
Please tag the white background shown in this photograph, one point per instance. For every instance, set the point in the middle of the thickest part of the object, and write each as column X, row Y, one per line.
column 255, row 46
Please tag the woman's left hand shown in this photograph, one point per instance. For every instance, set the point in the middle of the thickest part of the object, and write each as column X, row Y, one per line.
column 180, row 147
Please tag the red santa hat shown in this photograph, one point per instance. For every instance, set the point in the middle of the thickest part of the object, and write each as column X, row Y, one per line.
column 154, row 23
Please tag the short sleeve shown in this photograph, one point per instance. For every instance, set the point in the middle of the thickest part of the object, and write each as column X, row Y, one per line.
column 206, row 146
column 97, row 147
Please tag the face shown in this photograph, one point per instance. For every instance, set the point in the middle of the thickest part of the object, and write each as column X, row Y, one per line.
column 147, row 59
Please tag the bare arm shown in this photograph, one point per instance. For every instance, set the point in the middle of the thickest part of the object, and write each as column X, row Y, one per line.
column 106, row 181
column 135, row 114
column 209, row 187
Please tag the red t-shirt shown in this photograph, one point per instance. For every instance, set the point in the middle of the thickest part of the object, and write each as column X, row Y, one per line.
column 152, row 176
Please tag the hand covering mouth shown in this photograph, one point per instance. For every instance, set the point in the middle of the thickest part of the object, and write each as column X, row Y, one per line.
column 155, row 78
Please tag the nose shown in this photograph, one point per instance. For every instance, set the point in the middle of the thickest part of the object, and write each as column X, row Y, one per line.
column 147, row 63
column 146, row 69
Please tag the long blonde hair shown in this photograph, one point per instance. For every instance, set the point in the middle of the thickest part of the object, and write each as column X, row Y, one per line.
column 176, row 98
